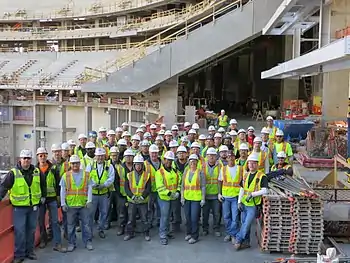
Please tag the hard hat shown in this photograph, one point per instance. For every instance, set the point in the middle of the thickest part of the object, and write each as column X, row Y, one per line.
column 211, row 128
column 126, row 133
column 169, row 155
column 142, row 126
column 251, row 128
column 241, row 131
column 100, row 151
column 269, row 118
column 233, row 133
column 257, row 139
column 159, row 138
column 186, row 124
column 221, row 130
column 264, row 131
column 195, row 126
column 184, row 139
column 41, row 150
column 281, row 154
column 279, row 133
column 82, row 136
column 192, row 131
column 233, row 121
column 136, row 138
column 223, row 148
column 173, row 143
column 26, row 154
column 119, row 129
column 163, row 125
column 145, row 143
column 222, row 110
column 210, row 137
column 202, row 137
column 211, row 151
column 71, row 142
column 122, row 142
column 138, row 159
column 125, row 124
column 217, row 135
column 102, row 129
column 147, row 135
column 174, row 128
column 227, row 137
column 168, row 132
column 153, row 149
column 110, row 132
column 92, row 134
column 193, row 157
column 161, row 132
column 129, row 152
column 181, row 149
column 153, row 127
column 114, row 150
column 139, row 130
column 253, row 157
column 74, row 159
column 195, row 145
column 65, row 146
column 243, row 146
column 56, row 147
column 90, row 145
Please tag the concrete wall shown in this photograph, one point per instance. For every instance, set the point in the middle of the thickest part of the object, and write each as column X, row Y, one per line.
column 21, row 142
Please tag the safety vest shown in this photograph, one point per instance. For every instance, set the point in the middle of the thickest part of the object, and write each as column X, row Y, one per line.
column 138, row 188
column 100, row 142
column 245, row 164
column 211, row 179
column 272, row 134
column 167, row 182
column 86, row 160
column 192, row 190
column 262, row 159
column 238, row 143
column 231, row 187
column 65, row 166
column 76, row 196
column 223, row 121
column 253, row 187
column 99, row 178
column 23, row 195
column 122, row 177
column 152, row 172
column 280, row 147
column 51, row 182
column 275, row 167
column 79, row 152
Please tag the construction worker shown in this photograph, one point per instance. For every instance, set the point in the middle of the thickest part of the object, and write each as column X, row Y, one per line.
column 187, row 127
column 153, row 132
column 282, row 164
column 125, row 126
column 266, row 144
column 180, row 162
column 195, row 149
column 223, row 151
column 160, row 144
column 270, row 128
column 201, row 140
column 92, row 136
column 222, row 131
column 173, row 146
column 102, row 179
column 140, row 133
column 147, row 136
column 223, row 120
column 110, row 140
column 65, row 158
column 26, row 189
column 135, row 142
column 168, row 137
column 253, row 185
column 282, row 146
column 184, row 142
column 242, row 138
column 118, row 133
column 143, row 127
column 76, row 201
column 227, row 140
column 152, row 165
column 72, row 145
column 211, row 170
column 233, row 134
column 56, row 154
column 175, row 133
column 217, row 140
column 192, row 198
column 80, row 150
column 102, row 137
column 90, row 154
column 51, row 173
column 229, row 186
column 122, row 146
column 264, row 163
column 144, row 149
column 191, row 136
column 250, row 137
column 168, row 182
column 211, row 130
column 233, row 125
column 138, row 189
column 209, row 143
column 243, row 156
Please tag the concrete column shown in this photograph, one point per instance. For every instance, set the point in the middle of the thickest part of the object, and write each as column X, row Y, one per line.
column 110, row 115
column 97, row 44
column 251, row 73
column 12, row 146
column 128, row 41
column 129, row 114
column 64, row 123
column 296, row 42
column 117, row 118
column 42, row 141
column 35, row 45
column 168, row 94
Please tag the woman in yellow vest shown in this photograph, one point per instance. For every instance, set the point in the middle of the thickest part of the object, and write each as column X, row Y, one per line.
column 192, row 198
column 253, row 186
column 223, row 120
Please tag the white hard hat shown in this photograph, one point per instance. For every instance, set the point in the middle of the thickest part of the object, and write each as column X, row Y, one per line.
column 253, row 157
column 74, row 159
column 145, row 143
column 138, row 159
column 119, row 129
column 163, row 126
column 139, row 130
column 173, row 143
column 71, row 142
column 65, row 146
column 221, row 129
column 26, row 154
column 100, row 151
column 193, row 157
column 251, row 128
column 168, row 132
column 125, row 124
column 90, row 145
column 82, row 136
column 211, row 128
column 169, row 155
column 186, row 124
column 114, row 150
column 244, row 146
column 233, row 133
column 147, row 135
column 281, row 154
column 174, row 128
column 129, row 152
column 122, row 142
column 257, row 139
column 269, row 118
column 264, row 131
column 211, row 151
column 184, row 139
column 223, row 148
column 159, row 138
column 153, row 149
column 126, row 133
column 217, row 135
column 222, row 110
column 153, row 127
column 136, row 137
column 56, row 147
column 279, row 133
column 102, row 129
column 181, row 148
column 142, row 126
column 241, row 131
column 110, row 132
column 41, row 150
column 195, row 126
column 195, row 145
column 233, row 121
column 202, row 137
column 161, row 132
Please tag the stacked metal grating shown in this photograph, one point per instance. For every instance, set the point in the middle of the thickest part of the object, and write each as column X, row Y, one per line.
column 291, row 225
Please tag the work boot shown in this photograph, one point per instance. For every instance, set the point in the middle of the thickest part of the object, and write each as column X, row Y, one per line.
column 233, row 240
column 18, row 260
column 32, row 256
column 102, row 234
column 237, row 246
column 78, row 228
column 120, row 232
column 205, row 232
column 59, row 248
column 147, row 237
column 171, row 236
column 128, row 237
column 227, row 238
column 217, row 234
column 164, row 241
column 192, row 241
column 70, row 248
column 244, row 245
column 42, row 244
column 89, row 246
column 188, row 237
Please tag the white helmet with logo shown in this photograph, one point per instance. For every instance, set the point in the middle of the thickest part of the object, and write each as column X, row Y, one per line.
column 74, row 159
column 193, row 157
column 136, row 138
column 90, row 145
column 195, row 126
column 173, row 144
column 26, row 154
column 253, row 157
column 195, row 145
column 223, row 148
column 126, row 133
column 233, row 121
column 281, row 154
column 174, row 128
column 65, row 146
column 138, row 159
column 100, row 151
column 122, row 142
column 41, row 150
column 279, row 133
column 221, row 130
column 153, row 149
column 181, row 149
column 257, row 139
column 187, row 124
column 56, row 147
column 211, row 151
column 153, row 127
column 110, row 132
column 169, row 155
column 129, row 152
column 202, row 137
column 114, row 150
column 264, row 131
column 211, row 128
column 243, row 146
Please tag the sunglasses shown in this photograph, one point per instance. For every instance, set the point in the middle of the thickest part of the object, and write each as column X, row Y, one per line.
column 74, row 163
column 27, row 158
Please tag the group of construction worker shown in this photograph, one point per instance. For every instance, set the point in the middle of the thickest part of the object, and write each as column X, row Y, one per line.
column 147, row 177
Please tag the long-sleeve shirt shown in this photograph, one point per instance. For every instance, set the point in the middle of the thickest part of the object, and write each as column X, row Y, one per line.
column 201, row 182
column 77, row 177
column 9, row 180
column 100, row 170
column 56, row 173
column 263, row 186
column 145, row 193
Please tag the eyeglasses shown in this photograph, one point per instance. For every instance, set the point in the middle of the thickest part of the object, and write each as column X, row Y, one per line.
column 27, row 158
column 74, row 163
column 42, row 155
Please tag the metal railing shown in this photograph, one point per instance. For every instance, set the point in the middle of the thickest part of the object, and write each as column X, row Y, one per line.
column 160, row 39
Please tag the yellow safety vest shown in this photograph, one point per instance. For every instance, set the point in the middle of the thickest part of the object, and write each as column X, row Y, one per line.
column 231, row 187
column 262, row 159
column 23, row 195
column 152, row 172
column 51, row 183
column 211, row 179
column 192, row 190
column 65, row 166
column 76, row 196
column 86, row 160
column 253, row 187
column 122, row 176
column 138, row 188
column 245, row 165
column 272, row 134
column 223, row 121
column 79, row 152
column 167, row 182
column 99, row 179
column 275, row 168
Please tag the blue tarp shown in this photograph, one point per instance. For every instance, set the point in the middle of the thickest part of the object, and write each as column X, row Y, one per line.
column 294, row 129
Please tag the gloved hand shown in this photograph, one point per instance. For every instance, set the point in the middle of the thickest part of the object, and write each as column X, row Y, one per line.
column 175, row 195
column 202, row 203
column 249, row 197
column 134, row 197
column 65, row 208
column 42, row 200
column 221, row 198
column 240, row 207
column 88, row 205
column 182, row 201
column 140, row 198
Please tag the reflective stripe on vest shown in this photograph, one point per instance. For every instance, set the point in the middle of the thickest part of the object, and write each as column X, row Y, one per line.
column 122, row 175
column 51, row 183
column 253, row 187
column 138, row 188
column 170, row 187
column 261, row 163
column 99, row 179
column 76, row 196
column 192, row 190
column 211, row 180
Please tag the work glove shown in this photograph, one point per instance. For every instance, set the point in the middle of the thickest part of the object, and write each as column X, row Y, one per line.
column 134, row 197
column 65, row 208
column 140, row 198
column 88, row 205
column 221, row 198
column 202, row 203
column 182, row 201
column 240, row 207
column 175, row 195
column 42, row 200
column 249, row 197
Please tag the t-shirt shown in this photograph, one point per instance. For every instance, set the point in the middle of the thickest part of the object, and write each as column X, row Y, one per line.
column 232, row 171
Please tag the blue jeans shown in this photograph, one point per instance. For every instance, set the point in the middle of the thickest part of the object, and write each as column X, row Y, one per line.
column 213, row 205
column 231, row 216
column 84, row 214
column 153, row 208
column 65, row 223
column 192, row 214
column 247, row 217
column 24, row 223
column 100, row 202
column 166, row 208
column 53, row 216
